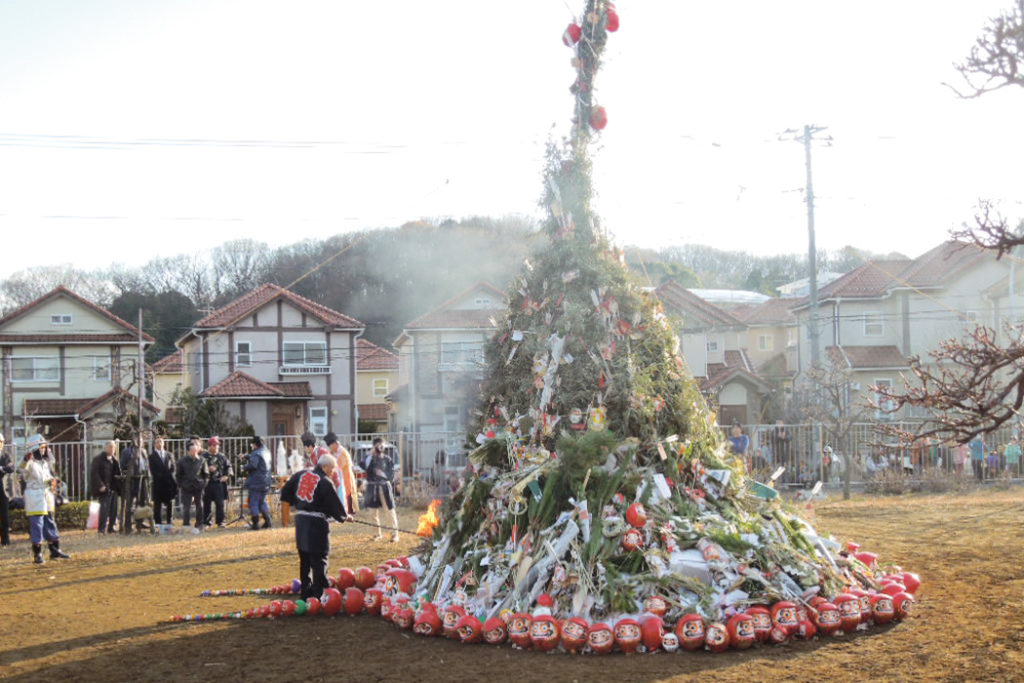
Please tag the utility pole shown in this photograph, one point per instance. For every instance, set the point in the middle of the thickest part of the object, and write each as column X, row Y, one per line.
column 140, row 373
column 806, row 136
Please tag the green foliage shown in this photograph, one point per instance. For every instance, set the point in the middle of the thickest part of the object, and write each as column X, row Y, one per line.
column 577, row 455
column 68, row 516
column 165, row 316
column 205, row 417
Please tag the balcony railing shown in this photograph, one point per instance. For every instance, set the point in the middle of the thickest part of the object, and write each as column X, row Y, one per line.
column 304, row 370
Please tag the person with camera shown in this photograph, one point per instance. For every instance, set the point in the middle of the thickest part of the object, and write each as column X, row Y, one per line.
column 105, row 482
column 219, row 470
column 191, row 474
column 40, row 503
column 380, row 491
column 257, row 481
column 314, row 498
column 161, row 464
column 6, row 467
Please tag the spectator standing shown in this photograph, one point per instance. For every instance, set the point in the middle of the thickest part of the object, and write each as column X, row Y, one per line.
column 219, row 470
column 257, row 482
column 40, row 503
column 165, row 489
column 740, row 444
column 977, row 446
column 191, row 474
column 347, row 475
column 380, row 487
column 105, row 481
column 135, row 488
column 6, row 467
column 961, row 454
column 1012, row 453
column 780, row 440
column 992, row 460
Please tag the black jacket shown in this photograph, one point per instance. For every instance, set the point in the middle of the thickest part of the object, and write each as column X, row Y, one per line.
column 6, row 467
column 104, row 475
column 161, row 465
column 191, row 473
column 313, row 498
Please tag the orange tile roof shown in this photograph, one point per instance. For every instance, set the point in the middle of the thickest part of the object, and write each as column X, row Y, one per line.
column 247, row 303
column 369, row 356
column 80, row 406
column 868, row 357
column 694, row 309
column 772, row 311
column 445, row 317
column 133, row 331
column 170, row 364
column 243, row 385
column 373, row 411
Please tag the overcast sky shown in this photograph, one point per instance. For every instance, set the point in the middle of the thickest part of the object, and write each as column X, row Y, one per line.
column 136, row 128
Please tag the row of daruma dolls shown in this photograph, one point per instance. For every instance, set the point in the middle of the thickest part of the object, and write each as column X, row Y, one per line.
column 386, row 593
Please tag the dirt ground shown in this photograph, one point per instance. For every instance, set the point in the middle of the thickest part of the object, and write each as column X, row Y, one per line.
column 100, row 616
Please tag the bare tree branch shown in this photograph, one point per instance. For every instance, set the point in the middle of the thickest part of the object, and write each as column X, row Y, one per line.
column 996, row 59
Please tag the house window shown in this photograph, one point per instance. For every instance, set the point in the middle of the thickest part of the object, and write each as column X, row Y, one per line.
column 380, row 387
column 765, row 342
column 884, row 404
column 483, row 302
column 791, row 336
column 243, row 354
column 463, row 353
column 101, row 367
column 305, row 353
column 712, row 347
column 452, row 419
column 35, row 369
column 318, row 421
column 60, row 319
column 971, row 317
column 873, row 325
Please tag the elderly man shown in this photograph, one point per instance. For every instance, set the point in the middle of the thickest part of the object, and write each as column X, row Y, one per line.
column 161, row 464
column 191, row 476
column 105, row 481
column 314, row 499
column 219, row 469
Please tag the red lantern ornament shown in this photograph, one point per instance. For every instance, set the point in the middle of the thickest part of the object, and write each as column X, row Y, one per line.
column 827, row 618
column 636, row 515
column 275, row 608
column 372, row 599
column 354, row 601
column 598, row 118
column 331, row 601
column 470, row 629
column 519, row 629
column 762, row 619
column 717, row 637
column 612, row 24
column 849, row 611
column 287, row 608
column 427, row 623
column 912, row 581
column 574, row 634
column 656, row 605
column 903, row 604
column 313, row 606
column 784, row 615
column 365, row 578
column 632, row 540
column 544, row 632
column 399, row 581
column 495, row 631
column 691, row 631
column 741, row 631
column 450, row 621
column 572, row 34
column 651, row 631
column 882, row 609
column 600, row 638
column 346, row 578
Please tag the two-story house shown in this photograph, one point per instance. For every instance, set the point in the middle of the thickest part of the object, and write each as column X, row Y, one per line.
column 376, row 377
column 441, row 360
column 712, row 342
column 277, row 360
column 68, row 365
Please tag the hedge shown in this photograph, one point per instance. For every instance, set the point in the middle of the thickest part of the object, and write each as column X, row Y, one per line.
column 69, row 516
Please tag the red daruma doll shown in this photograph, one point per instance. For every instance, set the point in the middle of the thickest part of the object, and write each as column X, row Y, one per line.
column 690, row 631
column 600, row 638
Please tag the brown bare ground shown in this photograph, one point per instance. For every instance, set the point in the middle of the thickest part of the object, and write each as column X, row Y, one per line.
column 100, row 616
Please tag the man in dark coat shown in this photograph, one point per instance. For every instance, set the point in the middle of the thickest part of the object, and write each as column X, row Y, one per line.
column 135, row 490
column 191, row 476
column 161, row 465
column 6, row 467
column 313, row 499
column 219, row 469
column 105, row 482
column 258, row 482
column 380, row 488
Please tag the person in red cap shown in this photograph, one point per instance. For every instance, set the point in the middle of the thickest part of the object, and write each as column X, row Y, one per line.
column 219, row 470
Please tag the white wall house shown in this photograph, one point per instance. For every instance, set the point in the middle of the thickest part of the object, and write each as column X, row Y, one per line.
column 277, row 360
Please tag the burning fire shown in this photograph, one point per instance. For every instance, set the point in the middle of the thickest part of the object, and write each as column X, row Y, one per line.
column 429, row 520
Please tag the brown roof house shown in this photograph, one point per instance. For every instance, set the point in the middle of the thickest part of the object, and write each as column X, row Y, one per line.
column 712, row 341
column 68, row 365
column 277, row 360
column 376, row 376
column 441, row 361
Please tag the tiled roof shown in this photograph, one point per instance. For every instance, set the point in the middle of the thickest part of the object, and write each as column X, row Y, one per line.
column 871, row 280
column 369, row 356
column 445, row 317
column 62, row 290
column 70, row 338
column 294, row 389
column 170, row 364
column 868, row 357
column 693, row 309
column 239, row 384
column 944, row 261
column 736, row 364
column 773, row 311
column 79, row 406
column 373, row 411
column 264, row 294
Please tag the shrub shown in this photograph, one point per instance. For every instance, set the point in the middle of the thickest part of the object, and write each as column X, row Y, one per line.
column 69, row 516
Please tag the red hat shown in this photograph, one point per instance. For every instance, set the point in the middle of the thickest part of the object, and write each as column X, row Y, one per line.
column 213, row 441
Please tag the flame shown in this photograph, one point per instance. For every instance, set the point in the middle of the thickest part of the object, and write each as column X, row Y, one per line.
column 429, row 520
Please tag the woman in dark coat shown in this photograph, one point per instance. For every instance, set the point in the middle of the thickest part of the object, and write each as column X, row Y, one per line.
column 257, row 481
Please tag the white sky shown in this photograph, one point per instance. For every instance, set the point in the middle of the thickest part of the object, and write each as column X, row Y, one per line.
column 393, row 110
